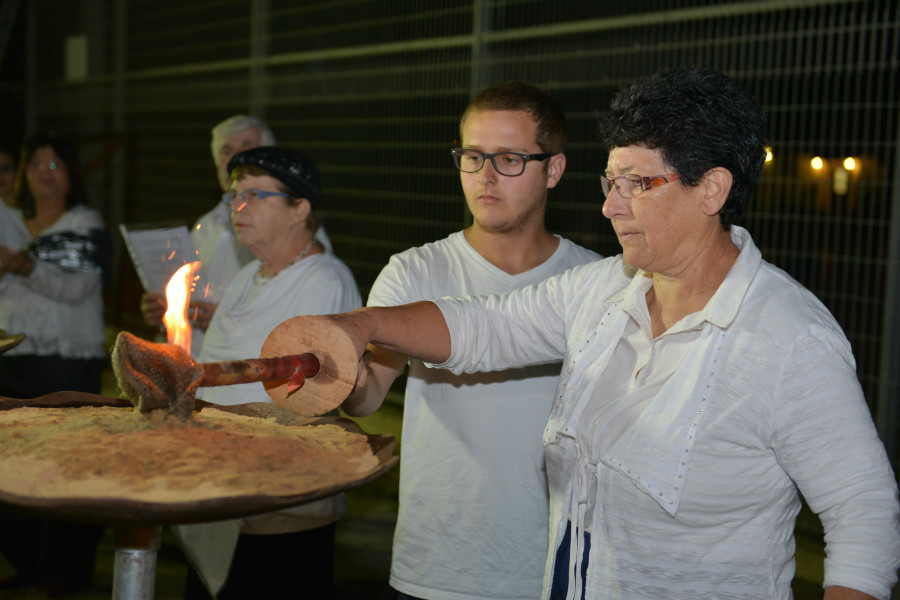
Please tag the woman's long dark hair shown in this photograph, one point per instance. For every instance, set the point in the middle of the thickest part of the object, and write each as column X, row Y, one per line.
column 66, row 153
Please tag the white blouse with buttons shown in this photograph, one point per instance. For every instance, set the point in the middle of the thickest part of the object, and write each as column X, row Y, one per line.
column 684, row 456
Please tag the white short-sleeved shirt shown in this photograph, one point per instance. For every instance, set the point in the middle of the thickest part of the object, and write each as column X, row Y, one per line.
column 318, row 284
column 473, row 492
column 247, row 313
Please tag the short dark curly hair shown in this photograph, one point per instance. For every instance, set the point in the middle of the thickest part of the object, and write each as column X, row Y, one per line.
column 698, row 120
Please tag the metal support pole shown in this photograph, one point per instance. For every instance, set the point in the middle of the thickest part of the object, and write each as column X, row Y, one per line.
column 479, row 67
column 134, row 571
column 887, row 409
column 258, row 89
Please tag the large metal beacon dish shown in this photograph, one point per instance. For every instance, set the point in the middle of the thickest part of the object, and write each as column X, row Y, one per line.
column 93, row 459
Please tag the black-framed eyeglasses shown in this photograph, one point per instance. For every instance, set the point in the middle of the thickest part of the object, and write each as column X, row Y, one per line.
column 251, row 196
column 629, row 186
column 511, row 164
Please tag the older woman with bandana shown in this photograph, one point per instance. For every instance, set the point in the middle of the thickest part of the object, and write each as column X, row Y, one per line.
column 274, row 194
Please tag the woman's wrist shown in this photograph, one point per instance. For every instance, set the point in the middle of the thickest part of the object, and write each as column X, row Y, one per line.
column 27, row 266
column 19, row 263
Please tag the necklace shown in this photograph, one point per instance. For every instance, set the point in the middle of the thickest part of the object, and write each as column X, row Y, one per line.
column 260, row 279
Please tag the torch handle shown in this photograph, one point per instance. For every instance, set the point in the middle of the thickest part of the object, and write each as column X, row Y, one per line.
column 257, row 369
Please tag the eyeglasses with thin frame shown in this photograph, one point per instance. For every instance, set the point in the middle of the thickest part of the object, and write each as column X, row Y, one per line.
column 250, row 196
column 629, row 186
column 511, row 164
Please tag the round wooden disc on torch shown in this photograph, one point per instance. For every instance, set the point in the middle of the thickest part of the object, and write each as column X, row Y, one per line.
column 337, row 359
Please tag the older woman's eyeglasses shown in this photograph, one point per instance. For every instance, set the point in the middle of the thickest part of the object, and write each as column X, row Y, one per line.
column 629, row 186
column 251, row 196
column 511, row 164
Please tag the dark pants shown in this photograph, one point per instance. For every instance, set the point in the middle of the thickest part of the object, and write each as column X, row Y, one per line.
column 283, row 565
column 55, row 553
column 27, row 377
column 561, row 573
column 41, row 550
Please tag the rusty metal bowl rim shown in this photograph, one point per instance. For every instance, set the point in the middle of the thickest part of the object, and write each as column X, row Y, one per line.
column 118, row 511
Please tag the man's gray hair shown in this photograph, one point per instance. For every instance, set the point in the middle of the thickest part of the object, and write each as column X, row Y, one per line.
column 239, row 123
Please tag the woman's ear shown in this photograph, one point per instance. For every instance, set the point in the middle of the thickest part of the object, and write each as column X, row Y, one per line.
column 300, row 212
column 716, row 186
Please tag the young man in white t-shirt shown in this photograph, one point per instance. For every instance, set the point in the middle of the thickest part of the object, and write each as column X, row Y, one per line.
column 473, row 510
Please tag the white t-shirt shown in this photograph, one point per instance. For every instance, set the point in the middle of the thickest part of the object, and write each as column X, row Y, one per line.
column 247, row 314
column 473, row 492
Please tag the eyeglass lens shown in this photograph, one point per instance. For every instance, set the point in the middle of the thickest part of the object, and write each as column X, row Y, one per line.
column 505, row 163
column 629, row 186
column 39, row 166
column 253, row 195
column 626, row 185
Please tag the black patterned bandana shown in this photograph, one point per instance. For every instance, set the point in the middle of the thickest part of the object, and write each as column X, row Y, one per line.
column 291, row 167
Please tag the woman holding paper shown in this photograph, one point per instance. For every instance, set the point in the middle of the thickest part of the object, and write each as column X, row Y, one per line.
column 53, row 252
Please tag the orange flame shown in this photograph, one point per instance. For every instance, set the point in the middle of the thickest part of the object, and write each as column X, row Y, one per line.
column 178, row 291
